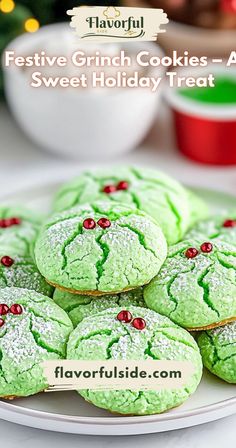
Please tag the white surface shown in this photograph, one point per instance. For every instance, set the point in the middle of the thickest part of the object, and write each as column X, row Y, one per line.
column 22, row 163
column 67, row 412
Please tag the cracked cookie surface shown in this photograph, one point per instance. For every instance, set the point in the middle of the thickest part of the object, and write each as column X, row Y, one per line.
column 18, row 238
column 220, row 227
column 127, row 254
column 196, row 292
column 38, row 334
column 103, row 337
column 23, row 273
column 79, row 307
column 148, row 190
column 218, row 350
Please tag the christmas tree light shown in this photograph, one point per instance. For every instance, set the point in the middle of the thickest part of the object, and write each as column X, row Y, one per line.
column 7, row 6
column 31, row 25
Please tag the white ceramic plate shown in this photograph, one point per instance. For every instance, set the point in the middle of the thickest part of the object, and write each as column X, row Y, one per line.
column 67, row 412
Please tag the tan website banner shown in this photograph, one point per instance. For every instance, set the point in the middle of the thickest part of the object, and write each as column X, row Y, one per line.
column 115, row 24
column 118, row 374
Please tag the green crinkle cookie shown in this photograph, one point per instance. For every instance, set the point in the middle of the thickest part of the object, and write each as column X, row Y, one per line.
column 195, row 292
column 18, row 238
column 218, row 349
column 198, row 208
column 103, row 336
column 216, row 227
column 123, row 256
column 23, row 273
column 39, row 334
column 79, row 307
column 149, row 190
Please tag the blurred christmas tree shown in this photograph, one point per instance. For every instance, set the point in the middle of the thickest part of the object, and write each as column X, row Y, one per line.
column 19, row 16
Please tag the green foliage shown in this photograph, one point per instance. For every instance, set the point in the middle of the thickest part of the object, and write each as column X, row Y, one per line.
column 12, row 24
column 43, row 10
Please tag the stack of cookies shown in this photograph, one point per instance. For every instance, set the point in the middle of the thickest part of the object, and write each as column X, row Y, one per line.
column 134, row 265
column 32, row 327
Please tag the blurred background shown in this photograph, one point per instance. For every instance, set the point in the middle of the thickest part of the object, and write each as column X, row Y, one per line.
column 190, row 134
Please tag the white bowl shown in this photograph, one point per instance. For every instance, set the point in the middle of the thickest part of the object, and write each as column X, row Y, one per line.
column 79, row 122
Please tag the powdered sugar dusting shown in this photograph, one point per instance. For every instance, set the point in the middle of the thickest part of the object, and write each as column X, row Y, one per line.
column 213, row 228
column 128, row 253
column 225, row 334
column 24, row 274
column 40, row 331
column 160, row 339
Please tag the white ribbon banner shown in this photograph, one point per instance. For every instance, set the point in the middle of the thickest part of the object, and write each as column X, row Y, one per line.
column 117, row 24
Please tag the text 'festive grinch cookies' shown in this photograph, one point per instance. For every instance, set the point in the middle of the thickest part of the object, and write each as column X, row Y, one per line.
column 145, row 189
column 79, row 307
column 100, row 248
column 218, row 350
column 135, row 334
column 196, row 286
column 21, row 272
column 18, row 229
column 220, row 227
column 33, row 329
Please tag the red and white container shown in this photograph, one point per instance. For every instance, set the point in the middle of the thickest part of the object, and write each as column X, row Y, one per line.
column 205, row 132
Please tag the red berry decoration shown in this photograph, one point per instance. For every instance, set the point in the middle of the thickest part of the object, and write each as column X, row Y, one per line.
column 3, row 223
column 139, row 323
column 108, row 189
column 124, row 316
column 7, row 261
column 15, row 221
column 122, row 185
column 191, row 252
column 206, row 247
column 8, row 222
column 89, row 223
column 4, row 309
column 104, row 223
column 2, row 322
column 16, row 309
column 229, row 223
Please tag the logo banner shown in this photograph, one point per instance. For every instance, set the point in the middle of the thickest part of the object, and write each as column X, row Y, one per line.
column 117, row 374
column 115, row 24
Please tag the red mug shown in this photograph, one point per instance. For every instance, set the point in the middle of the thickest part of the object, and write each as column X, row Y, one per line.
column 205, row 132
